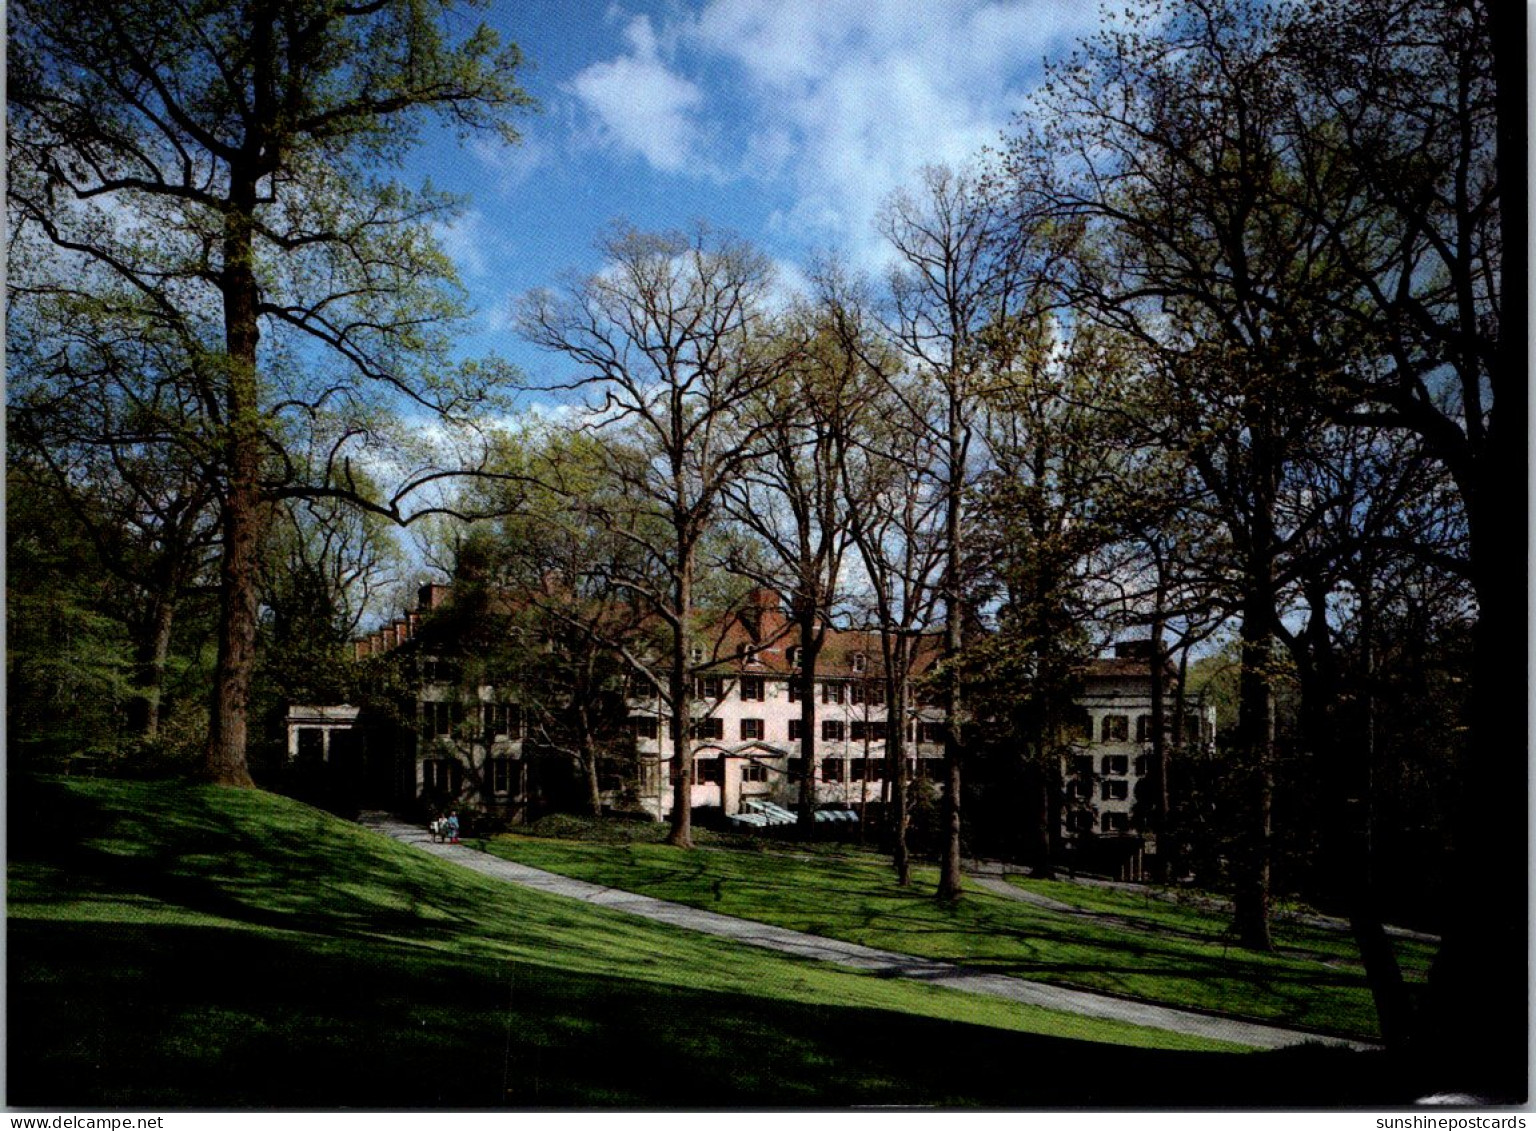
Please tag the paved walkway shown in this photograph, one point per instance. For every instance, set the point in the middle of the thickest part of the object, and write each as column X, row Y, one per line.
column 883, row 962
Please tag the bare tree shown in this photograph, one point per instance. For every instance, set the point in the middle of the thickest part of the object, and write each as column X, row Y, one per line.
column 953, row 282
column 792, row 500
column 673, row 342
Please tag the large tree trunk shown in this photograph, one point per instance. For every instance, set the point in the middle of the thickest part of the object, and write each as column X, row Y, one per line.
column 954, row 700
column 1343, row 753
column 810, row 646
column 896, row 733
column 1159, row 758
column 151, row 653
column 681, row 834
column 1474, row 1034
column 1255, row 744
column 242, row 516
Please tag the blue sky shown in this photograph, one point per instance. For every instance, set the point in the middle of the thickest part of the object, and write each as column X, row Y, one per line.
column 785, row 121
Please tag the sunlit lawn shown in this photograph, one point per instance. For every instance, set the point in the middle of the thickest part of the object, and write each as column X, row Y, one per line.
column 175, row 946
column 1177, row 911
column 856, row 898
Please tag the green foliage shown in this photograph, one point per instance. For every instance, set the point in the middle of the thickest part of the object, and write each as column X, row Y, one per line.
column 68, row 656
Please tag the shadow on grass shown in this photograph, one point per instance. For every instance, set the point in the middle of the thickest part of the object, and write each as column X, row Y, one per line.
column 345, row 971
column 987, row 932
column 226, row 1018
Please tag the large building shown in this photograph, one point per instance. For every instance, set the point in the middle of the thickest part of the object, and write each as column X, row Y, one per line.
column 471, row 746
column 1108, row 763
column 745, row 720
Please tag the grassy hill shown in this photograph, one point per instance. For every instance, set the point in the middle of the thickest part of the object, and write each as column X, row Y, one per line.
column 1120, row 943
column 177, row 946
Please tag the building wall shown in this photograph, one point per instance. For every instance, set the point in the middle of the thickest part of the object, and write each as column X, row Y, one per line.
column 1112, row 755
column 735, row 764
column 468, row 752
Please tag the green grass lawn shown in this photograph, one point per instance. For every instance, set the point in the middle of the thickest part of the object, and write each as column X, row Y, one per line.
column 173, row 946
column 855, row 898
column 191, row 946
column 1177, row 911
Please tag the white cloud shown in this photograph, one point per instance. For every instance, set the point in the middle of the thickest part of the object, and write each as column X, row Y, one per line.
column 641, row 105
column 837, row 102
column 467, row 240
column 868, row 91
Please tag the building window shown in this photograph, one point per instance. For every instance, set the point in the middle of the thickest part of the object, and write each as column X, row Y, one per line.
column 1115, row 728
column 437, row 719
column 754, row 771
column 645, row 726
column 501, row 775
column 1139, row 767
column 503, row 719
column 1114, row 790
column 832, row 730
column 709, row 687
column 751, row 728
column 930, row 732
column 1115, row 764
column 794, row 689
column 1082, row 790
column 439, row 671
column 1081, row 821
column 1143, row 728
column 709, row 771
column 442, row 775
column 1082, row 765
column 796, row 729
column 875, row 771
column 795, row 769
column 707, row 728
column 867, row 731
column 1079, row 726
column 752, row 688
column 866, row 691
column 831, row 692
column 831, row 769
column 792, row 656
column 1115, row 822
column 696, row 654
column 858, row 662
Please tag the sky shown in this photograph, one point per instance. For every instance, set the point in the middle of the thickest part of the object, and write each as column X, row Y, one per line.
column 786, row 122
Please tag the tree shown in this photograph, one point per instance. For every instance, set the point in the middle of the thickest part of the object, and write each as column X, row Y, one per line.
column 1409, row 125
column 791, row 500
column 896, row 517
column 216, row 172
column 953, row 281
column 1168, row 145
column 547, row 567
column 673, row 341
column 1044, row 509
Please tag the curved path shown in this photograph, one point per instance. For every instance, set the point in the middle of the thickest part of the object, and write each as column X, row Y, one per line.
column 884, row 962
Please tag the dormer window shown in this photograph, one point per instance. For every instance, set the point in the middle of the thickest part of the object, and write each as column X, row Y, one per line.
column 858, row 661
column 696, row 654
column 792, row 656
